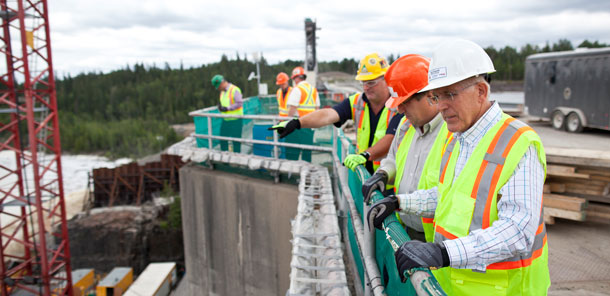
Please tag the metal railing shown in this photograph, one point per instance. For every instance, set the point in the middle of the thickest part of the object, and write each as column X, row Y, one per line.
column 422, row 280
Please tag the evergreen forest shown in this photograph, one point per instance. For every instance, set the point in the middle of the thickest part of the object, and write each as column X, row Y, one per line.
column 128, row 112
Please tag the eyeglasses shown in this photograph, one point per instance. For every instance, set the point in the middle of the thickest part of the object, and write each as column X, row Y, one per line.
column 447, row 96
column 371, row 83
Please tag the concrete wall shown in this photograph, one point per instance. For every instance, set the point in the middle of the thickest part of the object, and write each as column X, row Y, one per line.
column 236, row 233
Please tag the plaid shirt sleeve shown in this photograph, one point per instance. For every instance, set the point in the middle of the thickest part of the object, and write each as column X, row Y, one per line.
column 420, row 202
column 513, row 233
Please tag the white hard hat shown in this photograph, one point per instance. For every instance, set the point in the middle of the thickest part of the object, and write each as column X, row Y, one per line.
column 455, row 60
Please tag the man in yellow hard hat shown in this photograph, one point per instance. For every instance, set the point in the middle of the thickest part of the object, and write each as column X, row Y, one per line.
column 375, row 123
column 231, row 103
column 489, row 232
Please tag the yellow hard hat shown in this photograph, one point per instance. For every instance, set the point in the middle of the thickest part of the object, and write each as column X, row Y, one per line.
column 371, row 67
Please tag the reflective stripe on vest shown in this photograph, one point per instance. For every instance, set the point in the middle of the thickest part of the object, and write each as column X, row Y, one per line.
column 360, row 115
column 307, row 104
column 469, row 203
column 282, row 100
column 227, row 98
column 429, row 175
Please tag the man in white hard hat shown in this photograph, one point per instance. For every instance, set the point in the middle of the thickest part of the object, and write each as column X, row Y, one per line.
column 376, row 124
column 489, row 233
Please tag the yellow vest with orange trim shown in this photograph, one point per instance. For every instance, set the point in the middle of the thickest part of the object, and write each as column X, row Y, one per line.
column 469, row 203
column 430, row 172
column 309, row 95
column 227, row 98
column 282, row 100
column 360, row 115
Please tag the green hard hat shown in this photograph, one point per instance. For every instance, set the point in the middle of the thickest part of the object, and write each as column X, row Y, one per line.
column 217, row 80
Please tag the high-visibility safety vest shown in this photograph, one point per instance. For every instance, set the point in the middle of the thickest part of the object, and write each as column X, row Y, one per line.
column 360, row 114
column 282, row 100
column 430, row 173
column 307, row 103
column 227, row 98
column 470, row 203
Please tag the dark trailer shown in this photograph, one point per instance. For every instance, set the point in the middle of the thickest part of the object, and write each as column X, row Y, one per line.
column 571, row 88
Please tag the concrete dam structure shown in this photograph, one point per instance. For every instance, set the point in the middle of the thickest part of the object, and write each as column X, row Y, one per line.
column 236, row 232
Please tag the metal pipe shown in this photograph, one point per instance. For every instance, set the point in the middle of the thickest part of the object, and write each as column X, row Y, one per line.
column 371, row 269
column 210, row 132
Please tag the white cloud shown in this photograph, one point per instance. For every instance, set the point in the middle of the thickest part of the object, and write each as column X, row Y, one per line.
column 107, row 35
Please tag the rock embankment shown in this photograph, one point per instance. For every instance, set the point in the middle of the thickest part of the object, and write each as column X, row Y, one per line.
column 123, row 236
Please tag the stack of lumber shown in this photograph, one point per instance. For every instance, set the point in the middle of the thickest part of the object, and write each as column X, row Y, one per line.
column 577, row 186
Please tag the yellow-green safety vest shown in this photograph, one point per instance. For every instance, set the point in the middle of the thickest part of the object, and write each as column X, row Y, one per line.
column 227, row 98
column 307, row 102
column 360, row 115
column 470, row 203
column 430, row 173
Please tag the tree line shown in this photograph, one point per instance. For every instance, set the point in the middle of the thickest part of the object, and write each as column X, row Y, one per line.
column 128, row 112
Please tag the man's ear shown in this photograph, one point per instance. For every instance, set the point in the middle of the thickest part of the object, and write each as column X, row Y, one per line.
column 482, row 91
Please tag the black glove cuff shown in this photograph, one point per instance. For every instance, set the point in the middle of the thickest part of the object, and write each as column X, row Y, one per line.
column 298, row 123
column 366, row 155
column 445, row 254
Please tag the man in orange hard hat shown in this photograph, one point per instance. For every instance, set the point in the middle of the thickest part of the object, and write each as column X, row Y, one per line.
column 414, row 158
column 376, row 123
column 283, row 92
column 302, row 100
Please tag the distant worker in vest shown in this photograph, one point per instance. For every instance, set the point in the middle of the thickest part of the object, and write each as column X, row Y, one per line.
column 414, row 157
column 302, row 100
column 282, row 80
column 489, row 233
column 375, row 123
column 231, row 103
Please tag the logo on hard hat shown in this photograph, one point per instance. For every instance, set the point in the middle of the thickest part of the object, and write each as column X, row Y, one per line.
column 437, row 73
column 364, row 69
column 372, row 61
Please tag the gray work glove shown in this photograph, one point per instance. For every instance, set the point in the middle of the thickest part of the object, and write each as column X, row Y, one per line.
column 284, row 128
column 376, row 182
column 380, row 210
column 222, row 108
column 413, row 254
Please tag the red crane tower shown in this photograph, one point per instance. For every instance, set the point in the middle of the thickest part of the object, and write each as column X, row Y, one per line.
column 34, row 248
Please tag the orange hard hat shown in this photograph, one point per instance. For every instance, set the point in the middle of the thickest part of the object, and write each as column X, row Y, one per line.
column 298, row 71
column 281, row 78
column 406, row 77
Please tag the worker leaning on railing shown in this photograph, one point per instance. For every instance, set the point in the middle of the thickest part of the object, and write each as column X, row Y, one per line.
column 376, row 124
column 416, row 151
column 489, row 233
column 231, row 103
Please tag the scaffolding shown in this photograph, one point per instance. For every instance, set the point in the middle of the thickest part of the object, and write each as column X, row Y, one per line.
column 34, row 253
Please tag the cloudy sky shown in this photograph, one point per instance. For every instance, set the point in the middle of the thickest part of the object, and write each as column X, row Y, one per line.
column 106, row 35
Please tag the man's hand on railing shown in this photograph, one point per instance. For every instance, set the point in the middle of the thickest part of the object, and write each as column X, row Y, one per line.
column 413, row 254
column 222, row 108
column 353, row 160
column 376, row 182
column 285, row 128
column 380, row 210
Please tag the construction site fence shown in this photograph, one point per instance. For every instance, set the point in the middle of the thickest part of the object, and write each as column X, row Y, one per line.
column 372, row 250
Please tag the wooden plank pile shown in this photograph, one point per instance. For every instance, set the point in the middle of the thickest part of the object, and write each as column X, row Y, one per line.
column 577, row 185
